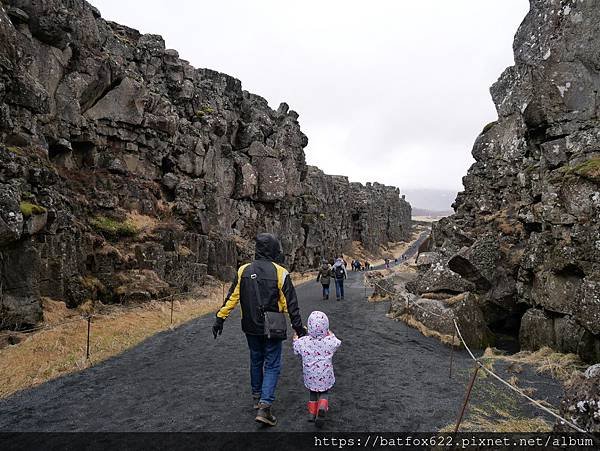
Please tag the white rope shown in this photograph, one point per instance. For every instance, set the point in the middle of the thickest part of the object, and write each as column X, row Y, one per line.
column 512, row 387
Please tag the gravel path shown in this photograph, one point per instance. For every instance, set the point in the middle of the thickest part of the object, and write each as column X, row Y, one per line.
column 389, row 378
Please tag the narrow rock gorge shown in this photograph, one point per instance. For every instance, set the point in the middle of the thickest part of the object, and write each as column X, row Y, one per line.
column 524, row 241
column 127, row 174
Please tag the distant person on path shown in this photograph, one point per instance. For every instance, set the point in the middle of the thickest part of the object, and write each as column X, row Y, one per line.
column 325, row 277
column 387, row 263
column 367, row 265
column 317, row 349
column 277, row 294
column 339, row 274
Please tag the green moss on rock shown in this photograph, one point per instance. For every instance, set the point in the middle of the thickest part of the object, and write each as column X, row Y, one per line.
column 28, row 209
column 112, row 228
column 590, row 169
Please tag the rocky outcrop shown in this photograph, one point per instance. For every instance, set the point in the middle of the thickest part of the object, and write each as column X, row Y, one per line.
column 581, row 403
column 526, row 232
column 126, row 173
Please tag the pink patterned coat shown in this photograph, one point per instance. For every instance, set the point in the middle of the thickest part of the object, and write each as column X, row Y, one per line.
column 317, row 349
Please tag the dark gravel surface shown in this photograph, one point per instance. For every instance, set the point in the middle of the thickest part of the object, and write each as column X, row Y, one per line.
column 389, row 378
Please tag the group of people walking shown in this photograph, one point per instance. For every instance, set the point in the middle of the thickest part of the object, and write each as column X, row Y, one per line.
column 337, row 272
column 358, row 266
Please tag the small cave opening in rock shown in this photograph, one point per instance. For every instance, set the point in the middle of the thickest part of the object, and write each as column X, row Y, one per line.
column 55, row 150
column 571, row 272
column 84, row 154
column 506, row 329
column 167, row 165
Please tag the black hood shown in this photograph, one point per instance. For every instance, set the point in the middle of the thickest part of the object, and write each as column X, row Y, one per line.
column 268, row 248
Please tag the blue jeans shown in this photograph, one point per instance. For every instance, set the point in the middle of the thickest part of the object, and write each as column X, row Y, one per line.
column 265, row 366
column 339, row 288
column 325, row 291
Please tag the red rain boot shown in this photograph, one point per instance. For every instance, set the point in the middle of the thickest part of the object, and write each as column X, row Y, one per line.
column 312, row 410
column 323, row 407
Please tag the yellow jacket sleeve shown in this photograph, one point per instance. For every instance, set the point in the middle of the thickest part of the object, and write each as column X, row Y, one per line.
column 233, row 297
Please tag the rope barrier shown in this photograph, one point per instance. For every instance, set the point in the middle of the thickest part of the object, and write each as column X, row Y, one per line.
column 490, row 372
column 512, row 387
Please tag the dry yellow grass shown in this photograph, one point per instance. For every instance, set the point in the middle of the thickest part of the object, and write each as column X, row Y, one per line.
column 299, row 278
column 48, row 354
column 479, row 421
column 545, row 360
column 415, row 324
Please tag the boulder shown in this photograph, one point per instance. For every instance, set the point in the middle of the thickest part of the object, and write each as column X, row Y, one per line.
column 271, row 179
column 581, row 404
column 439, row 278
column 477, row 263
column 124, row 103
column 439, row 316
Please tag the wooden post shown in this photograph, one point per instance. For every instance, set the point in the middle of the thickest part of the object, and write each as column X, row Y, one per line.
column 87, row 348
column 452, row 352
column 467, row 397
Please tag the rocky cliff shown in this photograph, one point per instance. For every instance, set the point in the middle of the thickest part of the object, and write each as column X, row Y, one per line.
column 126, row 173
column 525, row 237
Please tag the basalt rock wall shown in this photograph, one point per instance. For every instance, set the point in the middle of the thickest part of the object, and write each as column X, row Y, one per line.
column 127, row 174
column 526, row 234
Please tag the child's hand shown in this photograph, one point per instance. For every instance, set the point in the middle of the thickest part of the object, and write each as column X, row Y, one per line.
column 295, row 336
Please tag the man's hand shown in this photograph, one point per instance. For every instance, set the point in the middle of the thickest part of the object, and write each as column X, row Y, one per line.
column 217, row 328
column 301, row 332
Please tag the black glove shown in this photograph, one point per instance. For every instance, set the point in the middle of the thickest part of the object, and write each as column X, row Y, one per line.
column 217, row 328
column 301, row 331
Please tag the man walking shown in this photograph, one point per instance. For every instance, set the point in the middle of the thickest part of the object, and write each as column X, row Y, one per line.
column 339, row 274
column 262, row 286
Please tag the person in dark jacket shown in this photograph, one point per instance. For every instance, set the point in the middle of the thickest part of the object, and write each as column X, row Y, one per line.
column 339, row 274
column 324, row 277
column 277, row 294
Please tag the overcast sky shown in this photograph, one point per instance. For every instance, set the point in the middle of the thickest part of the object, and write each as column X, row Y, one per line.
column 394, row 91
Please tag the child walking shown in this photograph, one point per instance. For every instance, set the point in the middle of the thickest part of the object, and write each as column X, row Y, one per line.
column 317, row 349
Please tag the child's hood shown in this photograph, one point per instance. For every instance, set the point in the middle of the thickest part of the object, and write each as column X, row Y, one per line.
column 318, row 324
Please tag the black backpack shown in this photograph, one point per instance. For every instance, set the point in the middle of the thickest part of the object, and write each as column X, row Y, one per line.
column 339, row 272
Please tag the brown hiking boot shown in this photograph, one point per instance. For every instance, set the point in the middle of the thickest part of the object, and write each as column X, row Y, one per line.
column 265, row 416
column 256, row 401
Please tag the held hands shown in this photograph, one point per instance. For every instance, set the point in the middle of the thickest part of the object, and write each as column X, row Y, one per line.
column 301, row 332
column 217, row 328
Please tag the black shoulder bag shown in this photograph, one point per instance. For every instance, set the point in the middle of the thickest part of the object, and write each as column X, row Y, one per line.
column 275, row 322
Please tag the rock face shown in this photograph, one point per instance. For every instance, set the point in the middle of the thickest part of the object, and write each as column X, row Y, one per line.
column 125, row 173
column 581, row 403
column 526, row 232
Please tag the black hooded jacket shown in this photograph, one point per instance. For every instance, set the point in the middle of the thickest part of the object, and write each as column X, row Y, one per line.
column 275, row 287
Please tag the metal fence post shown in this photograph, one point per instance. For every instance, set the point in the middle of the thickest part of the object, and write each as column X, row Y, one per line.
column 452, row 352
column 467, row 397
